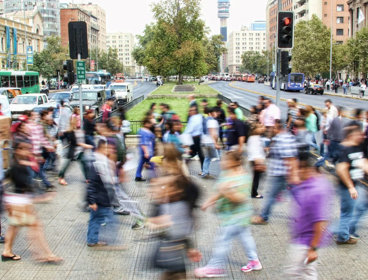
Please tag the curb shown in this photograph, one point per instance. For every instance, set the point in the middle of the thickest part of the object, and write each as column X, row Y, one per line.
column 345, row 96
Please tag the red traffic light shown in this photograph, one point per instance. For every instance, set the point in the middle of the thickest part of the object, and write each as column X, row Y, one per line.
column 287, row 20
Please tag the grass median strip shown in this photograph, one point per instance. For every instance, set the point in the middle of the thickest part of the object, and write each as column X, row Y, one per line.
column 168, row 89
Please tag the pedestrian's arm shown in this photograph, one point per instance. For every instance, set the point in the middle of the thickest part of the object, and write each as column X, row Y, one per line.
column 293, row 177
column 342, row 170
column 241, row 142
column 145, row 151
column 318, row 230
column 210, row 201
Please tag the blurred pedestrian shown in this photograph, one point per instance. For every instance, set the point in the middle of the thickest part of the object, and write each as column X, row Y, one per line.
column 221, row 119
column 311, row 125
column 270, row 115
column 331, row 109
column 173, row 135
column 89, row 127
column 233, row 206
column 351, row 168
column 256, row 157
column 146, row 148
column 236, row 132
column 335, row 134
column 21, row 211
column 312, row 206
column 281, row 168
column 192, row 101
column 107, row 109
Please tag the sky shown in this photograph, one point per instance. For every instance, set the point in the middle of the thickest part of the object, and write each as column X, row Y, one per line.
column 131, row 16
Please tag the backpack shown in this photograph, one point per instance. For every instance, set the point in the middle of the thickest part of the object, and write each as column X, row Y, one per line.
column 318, row 121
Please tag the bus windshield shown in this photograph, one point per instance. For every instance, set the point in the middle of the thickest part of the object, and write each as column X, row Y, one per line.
column 296, row 78
column 119, row 87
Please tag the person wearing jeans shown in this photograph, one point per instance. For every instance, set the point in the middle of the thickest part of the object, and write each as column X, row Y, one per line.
column 234, row 209
column 146, row 148
column 351, row 168
column 359, row 211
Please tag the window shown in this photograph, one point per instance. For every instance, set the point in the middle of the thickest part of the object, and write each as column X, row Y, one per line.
column 340, row 8
column 44, row 98
column 339, row 32
column 39, row 100
column 20, row 81
column 340, row 20
column 12, row 81
column 27, row 81
column 5, row 81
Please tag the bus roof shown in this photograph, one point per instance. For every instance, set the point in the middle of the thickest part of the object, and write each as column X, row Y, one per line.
column 17, row 73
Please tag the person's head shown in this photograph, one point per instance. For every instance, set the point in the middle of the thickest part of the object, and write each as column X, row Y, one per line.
column 212, row 112
column 278, row 127
column 300, row 123
column 44, row 115
column 232, row 114
column 341, row 111
column 236, row 105
column 359, row 114
column 193, row 111
column 290, row 103
column 232, row 160
column 309, row 109
column 219, row 102
column 353, row 133
column 191, row 97
column 153, row 107
column 90, row 114
column 253, row 110
column 34, row 116
column 204, row 103
column 267, row 102
column 62, row 103
column 147, row 123
column 328, row 103
column 110, row 101
column 102, row 147
column 165, row 108
column 76, row 111
column 295, row 101
column 261, row 99
column 306, row 167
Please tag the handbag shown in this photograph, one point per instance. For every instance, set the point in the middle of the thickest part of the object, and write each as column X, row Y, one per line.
column 21, row 214
column 170, row 255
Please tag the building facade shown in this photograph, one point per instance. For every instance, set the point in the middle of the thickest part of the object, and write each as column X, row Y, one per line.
column 49, row 10
column 124, row 43
column 336, row 12
column 13, row 43
column 243, row 41
column 305, row 9
column 100, row 24
column 358, row 15
column 76, row 14
column 271, row 19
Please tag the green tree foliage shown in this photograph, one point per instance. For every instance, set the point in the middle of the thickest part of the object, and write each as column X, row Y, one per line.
column 175, row 43
column 214, row 47
column 50, row 59
column 357, row 53
column 107, row 60
column 255, row 62
column 311, row 53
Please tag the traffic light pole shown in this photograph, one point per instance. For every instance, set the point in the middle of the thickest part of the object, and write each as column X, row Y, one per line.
column 80, row 97
column 278, row 63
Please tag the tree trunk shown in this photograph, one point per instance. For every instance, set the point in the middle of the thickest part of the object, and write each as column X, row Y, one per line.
column 181, row 78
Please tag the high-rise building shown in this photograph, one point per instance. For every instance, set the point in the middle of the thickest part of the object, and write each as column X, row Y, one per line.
column 100, row 23
column 49, row 10
column 242, row 41
column 305, row 9
column 358, row 15
column 258, row 25
column 271, row 15
column 336, row 12
column 124, row 43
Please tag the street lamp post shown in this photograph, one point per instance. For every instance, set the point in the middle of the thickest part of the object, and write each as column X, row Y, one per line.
column 331, row 42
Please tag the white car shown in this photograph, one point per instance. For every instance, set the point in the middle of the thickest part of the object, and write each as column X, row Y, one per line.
column 123, row 92
column 26, row 102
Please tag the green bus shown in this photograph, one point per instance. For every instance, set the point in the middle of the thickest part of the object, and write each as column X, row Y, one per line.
column 28, row 81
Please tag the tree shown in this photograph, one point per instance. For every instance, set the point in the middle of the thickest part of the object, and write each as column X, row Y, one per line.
column 254, row 62
column 357, row 53
column 174, row 44
column 214, row 47
column 51, row 58
column 110, row 62
column 311, row 51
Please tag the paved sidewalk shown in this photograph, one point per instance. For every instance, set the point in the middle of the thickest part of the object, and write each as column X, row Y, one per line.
column 66, row 226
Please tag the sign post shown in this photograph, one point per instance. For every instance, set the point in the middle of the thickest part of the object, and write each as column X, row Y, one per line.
column 81, row 76
column 29, row 56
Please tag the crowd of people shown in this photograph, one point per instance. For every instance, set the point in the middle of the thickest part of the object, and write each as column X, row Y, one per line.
column 290, row 150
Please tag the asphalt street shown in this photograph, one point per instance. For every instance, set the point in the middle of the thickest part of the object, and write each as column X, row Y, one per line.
column 247, row 94
column 142, row 88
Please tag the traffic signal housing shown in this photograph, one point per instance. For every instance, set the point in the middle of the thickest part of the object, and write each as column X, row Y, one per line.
column 285, row 61
column 285, row 30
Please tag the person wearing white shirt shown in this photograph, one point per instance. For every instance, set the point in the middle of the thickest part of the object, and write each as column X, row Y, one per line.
column 331, row 109
column 209, row 141
column 256, row 157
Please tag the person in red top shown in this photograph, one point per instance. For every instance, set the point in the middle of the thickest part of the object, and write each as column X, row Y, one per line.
column 1, row 110
column 107, row 109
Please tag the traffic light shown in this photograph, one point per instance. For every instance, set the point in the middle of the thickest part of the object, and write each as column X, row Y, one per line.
column 285, row 30
column 285, row 60
column 71, row 78
column 70, row 66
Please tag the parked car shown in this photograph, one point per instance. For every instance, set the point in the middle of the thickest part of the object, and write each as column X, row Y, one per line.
column 25, row 102
column 261, row 80
column 123, row 92
column 313, row 89
column 91, row 99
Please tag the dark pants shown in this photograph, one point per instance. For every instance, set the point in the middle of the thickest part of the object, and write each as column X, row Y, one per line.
column 141, row 163
column 90, row 140
column 334, row 150
column 197, row 150
column 257, row 175
column 101, row 215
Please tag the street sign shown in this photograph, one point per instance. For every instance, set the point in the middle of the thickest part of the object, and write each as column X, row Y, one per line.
column 81, row 71
column 29, row 55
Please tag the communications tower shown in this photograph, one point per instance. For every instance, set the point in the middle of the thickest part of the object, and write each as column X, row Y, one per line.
column 223, row 15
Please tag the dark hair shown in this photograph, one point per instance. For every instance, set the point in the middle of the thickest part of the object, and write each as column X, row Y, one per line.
column 295, row 100
column 27, row 113
column 219, row 102
column 328, row 100
column 62, row 103
column 152, row 105
column 146, row 120
column 101, row 142
column 44, row 113
column 204, row 100
column 231, row 110
column 305, row 157
column 350, row 129
column 194, row 108
column 358, row 112
column 340, row 109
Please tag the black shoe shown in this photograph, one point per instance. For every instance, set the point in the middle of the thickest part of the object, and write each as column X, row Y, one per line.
column 137, row 179
column 51, row 189
column 2, row 239
column 124, row 213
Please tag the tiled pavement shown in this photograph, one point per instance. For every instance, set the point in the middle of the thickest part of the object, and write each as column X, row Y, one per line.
column 66, row 226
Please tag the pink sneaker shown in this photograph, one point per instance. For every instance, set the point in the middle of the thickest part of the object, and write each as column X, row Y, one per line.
column 208, row 272
column 252, row 265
